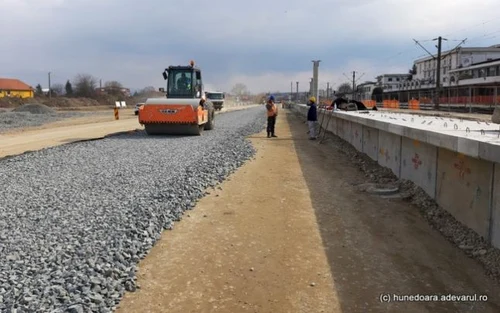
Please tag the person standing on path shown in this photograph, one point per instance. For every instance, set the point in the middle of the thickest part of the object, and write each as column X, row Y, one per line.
column 272, row 113
column 312, row 118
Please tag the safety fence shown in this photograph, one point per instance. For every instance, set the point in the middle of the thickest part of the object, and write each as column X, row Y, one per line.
column 390, row 104
column 369, row 103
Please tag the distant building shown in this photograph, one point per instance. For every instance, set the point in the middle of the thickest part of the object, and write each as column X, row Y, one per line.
column 364, row 91
column 391, row 82
column 452, row 60
column 10, row 87
column 111, row 90
column 483, row 73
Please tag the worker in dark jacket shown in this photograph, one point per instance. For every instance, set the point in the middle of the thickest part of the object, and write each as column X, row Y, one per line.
column 272, row 114
column 312, row 118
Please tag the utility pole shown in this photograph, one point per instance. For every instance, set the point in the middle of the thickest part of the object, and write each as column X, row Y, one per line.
column 50, row 92
column 291, row 90
column 327, row 90
column 353, row 84
column 438, row 65
column 438, row 73
column 354, row 81
column 315, row 91
column 297, row 99
column 100, row 83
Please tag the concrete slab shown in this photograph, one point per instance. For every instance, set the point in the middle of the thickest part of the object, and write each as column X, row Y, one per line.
column 472, row 138
column 389, row 151
column 418, row 164
column 488, row 151
column 370, row 142
column 357, row 136
column 464, row 189
column 495, row 223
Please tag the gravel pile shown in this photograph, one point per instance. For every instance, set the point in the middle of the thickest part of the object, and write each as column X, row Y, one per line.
column 11, row 120
column 35, row 108
column 75, row 224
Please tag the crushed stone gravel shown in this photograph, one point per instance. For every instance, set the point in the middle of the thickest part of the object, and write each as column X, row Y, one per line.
column 76, row 219
column 11, row 119
column 35, row 108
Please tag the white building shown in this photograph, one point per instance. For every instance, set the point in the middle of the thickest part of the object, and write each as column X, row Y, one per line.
column 391, row 82
column 364, row 91
column 451, row 60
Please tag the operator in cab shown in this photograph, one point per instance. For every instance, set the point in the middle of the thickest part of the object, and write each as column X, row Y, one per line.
column 183, row 83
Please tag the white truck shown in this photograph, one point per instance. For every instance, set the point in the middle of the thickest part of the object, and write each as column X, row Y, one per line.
column 217, row 98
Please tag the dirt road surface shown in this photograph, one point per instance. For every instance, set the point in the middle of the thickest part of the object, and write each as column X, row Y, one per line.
column 18, row 141
column 289, row 232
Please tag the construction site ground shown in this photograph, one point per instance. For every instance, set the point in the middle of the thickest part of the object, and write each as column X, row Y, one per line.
column 291, row 232
column 20, row 140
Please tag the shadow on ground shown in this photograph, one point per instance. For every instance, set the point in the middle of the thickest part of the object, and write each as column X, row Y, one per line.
column 379, row 246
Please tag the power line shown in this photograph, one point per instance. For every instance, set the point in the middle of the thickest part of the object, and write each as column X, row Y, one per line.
column 474, row 26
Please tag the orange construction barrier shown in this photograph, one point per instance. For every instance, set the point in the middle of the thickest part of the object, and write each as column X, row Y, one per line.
column 414, row 104
column 390, row 104
column 369, row 103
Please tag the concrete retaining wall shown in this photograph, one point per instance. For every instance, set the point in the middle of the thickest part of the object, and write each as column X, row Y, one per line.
column 461, row 173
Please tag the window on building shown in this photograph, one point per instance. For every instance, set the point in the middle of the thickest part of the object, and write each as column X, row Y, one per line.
column 389, row 79
column 492, row 71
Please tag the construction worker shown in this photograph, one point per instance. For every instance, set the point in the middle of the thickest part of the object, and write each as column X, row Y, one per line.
column 272, row 113
column 312, row 118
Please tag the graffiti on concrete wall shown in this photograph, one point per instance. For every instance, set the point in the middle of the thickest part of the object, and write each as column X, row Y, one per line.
column 385, row 153
column 417, row 162
column 461, row 166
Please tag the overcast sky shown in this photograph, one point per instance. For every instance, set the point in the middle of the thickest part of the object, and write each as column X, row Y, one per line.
column 263, row 44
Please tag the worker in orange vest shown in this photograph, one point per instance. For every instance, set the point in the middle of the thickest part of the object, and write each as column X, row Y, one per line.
column 272, row 113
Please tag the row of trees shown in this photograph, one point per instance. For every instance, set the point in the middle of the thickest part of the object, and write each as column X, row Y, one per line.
column 85, row 85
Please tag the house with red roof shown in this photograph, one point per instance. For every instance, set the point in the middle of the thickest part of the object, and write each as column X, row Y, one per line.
column 10, row 87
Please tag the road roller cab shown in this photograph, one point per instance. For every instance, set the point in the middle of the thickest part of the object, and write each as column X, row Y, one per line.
column 184, row 110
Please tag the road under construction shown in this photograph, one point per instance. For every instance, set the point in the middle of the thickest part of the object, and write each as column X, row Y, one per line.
column 381, row 215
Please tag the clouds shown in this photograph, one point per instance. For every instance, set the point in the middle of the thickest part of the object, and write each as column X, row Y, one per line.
column 264, row 44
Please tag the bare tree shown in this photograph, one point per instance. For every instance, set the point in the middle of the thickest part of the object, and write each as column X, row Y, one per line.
column 239, row 90
column 147, row 90
column 57, row 89
column 114, row 88
column 85, row 85
column 344, row 88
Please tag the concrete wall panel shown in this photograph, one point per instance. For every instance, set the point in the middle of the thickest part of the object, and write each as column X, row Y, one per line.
column 341, row 128
column 370, row 142
column 419, row 163
column 329, row 122
column 389, row 151
column 357, row 136
column 464, row 189
column 332, row 124
column 347, row 131
column 495, row 232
